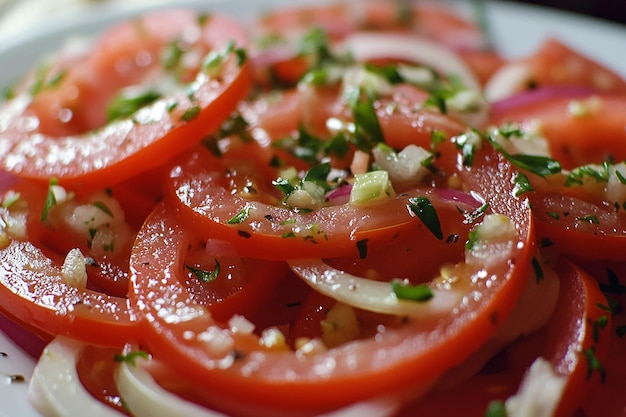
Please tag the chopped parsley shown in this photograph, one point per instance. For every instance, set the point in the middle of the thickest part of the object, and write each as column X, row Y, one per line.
column 590, row 218
column 426, row 212
column 131, row 357
column 522, row 185
column 537, row 164
column 51, row 199
column 361, row 246
column 594, row 364
column 312, row 149
column 496, row 408
column 406, row 291
column 103, row 207
column 240, row 217
column 578, row 175
column 172, row 55
column 367, row 132
column 205, row 275
column 539, row 276
column 126, row 105
column 191, row 113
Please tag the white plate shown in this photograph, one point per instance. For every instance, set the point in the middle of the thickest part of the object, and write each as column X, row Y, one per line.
column 517, row 30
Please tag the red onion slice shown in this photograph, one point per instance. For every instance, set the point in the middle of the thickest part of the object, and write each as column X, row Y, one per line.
column 501, row 107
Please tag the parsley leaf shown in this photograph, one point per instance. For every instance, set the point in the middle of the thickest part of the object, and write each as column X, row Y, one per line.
column 405, row 291
column 367, row 128
column 204, row 275
column 125, row 105
column 131, row 357
column 425, row 211
column 522, row 185
column 51, row 200
column 240, row 217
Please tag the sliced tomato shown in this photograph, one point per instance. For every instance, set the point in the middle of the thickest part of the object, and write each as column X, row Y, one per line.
column 579, row 227
column 34, row 293
column 273, row 231
column 102, row 155
column 275, row 379
column 607, row 398
column 554, row 63
column 579, row 131
column 578, row 332
column 32, row 285
column 95, row 367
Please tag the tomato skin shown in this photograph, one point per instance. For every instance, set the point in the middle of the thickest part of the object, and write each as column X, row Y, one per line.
column 607, row 398
column 124, row 148
column 265, row 233
column 95, row 367
column 33, row 292
column 580, row 320
column 561, row 220
column 553, row 64
column 569, row 331
column 272, row 387
column 594, row 136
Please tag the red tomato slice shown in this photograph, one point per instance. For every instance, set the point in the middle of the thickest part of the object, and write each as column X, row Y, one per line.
column 202, row 192
column 553, row 64
column 95, row 367
column 576, row 327
column 580, row 328
column 580, row 131
column 578, row 227
column 33, row 292
column 607, row 399
column 275, row 380
column 123, row 148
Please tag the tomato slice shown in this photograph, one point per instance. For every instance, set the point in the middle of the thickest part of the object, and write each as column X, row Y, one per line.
column 589, row 129
column 607, row 398
column 554, row 63
column 579, row 326
column 33, row 292
column 105, row 155
column 276, row 379
column 201, row 189
column 578, row 227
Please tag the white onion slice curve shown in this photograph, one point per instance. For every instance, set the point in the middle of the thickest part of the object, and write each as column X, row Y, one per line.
column 364, row 46
column 55, row 389
column 144, row 397
column 370, row 295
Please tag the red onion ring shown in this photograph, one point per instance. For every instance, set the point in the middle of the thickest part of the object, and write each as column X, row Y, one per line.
column 29, row 342
column 529, row 97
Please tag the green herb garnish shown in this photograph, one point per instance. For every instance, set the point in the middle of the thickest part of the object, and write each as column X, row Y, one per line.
column 406, row 291
column 426, row 212
column 125, row 106
column 204, row 275
column 131, row 357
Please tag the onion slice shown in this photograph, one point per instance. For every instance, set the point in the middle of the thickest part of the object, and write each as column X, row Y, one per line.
column 55, row 388
column 146, row 398
column 370, row 295
column 365, row 46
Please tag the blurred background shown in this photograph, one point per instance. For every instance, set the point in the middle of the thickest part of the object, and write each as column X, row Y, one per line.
column 613, row 10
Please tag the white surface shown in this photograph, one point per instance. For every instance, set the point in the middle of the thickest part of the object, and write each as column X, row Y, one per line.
column 517, row 31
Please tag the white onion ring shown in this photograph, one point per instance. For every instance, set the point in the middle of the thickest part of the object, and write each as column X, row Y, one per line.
column 55, row 388
column 145, row 398
column 370, row 295
column 365, row 46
